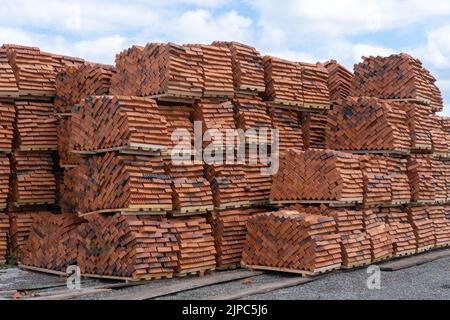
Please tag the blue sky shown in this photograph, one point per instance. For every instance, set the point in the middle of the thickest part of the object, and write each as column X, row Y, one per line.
column 300, row 30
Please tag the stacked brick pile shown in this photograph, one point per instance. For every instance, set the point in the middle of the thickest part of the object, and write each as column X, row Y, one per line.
column 4, row 232
column 248, row 71
column 423, row 228
column 397, row 77
column 316, row 94
column 441, row 225
column 314, row 126
column 288, row 124
column 138, row 247
column 379, row 234
column 317, row 175
column 53, row 242
column 340, row 80
column 8, row 83
column 292, row 240
column 230, row 231
column 402, row 232
column 367, row 124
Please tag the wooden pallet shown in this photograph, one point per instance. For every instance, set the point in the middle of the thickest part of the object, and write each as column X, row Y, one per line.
column 189, row 211
column 173, row 98
column 198, row 272
column 133, row 148
column 228, row 267
column 443, row 245
column 411, row 100
column 254, row 89
column 233, row 205
column 304, row 273
column 156, row 276
column 382, row 259
column 138, row 211
column 424, row 249
column 334, row 204
column 356, row 265
column 405, row 254
column 33, row 202
column 38, row 148
column 380, row 152
column 7, row 151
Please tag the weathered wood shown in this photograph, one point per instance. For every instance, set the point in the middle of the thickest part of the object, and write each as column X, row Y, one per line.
column 409, row 262
column 215, row 278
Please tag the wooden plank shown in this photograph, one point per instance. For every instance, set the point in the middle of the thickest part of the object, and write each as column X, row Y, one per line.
column 415, row 260
column 41, row 270
column 70, row 294
column 265, row 288
column 216, row 278
column 304, row 273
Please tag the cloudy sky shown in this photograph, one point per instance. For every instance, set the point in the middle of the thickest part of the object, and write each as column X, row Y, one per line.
column 301, row 30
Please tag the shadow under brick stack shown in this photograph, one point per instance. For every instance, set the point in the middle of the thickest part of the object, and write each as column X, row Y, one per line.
column 292, row 241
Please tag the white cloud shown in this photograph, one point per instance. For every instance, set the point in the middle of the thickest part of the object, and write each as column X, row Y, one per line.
column 436, row 51
column 360, row 50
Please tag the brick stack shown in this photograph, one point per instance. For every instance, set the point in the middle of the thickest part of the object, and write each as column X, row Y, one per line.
column 4, row 233
column 33, row 181
column 76, row 83
column 170, row 71
column 288, row 124
column 367, row 124
column 114, row 182
column 398, row 172
column 402, row 232
column 8, row 83
column 419, row 123
column 105, row 122
column 340, row 81
column 314, row 126
column 191, row 191
column 316, row 94
column 7, row 117
column 217, row 70
column 379, row 234
column 253, row 114
column 230, row 230
column 423, row 228
column 136, row 247
column 21, row 224
column 248, row 71
column 35, row 126
column 396, row 77
column 441, row 147
column 377, row 180
column 292, row 240
column 441, row 225
column 53, row 242
column 283, row 82
column 196, row 245
column 355, row 242
column 128, row 78
column 317, row 175
column 420, row 173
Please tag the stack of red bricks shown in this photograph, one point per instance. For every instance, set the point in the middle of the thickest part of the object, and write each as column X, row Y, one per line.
column 397, row 77
column 8, row 83
column 230, row 231
column 248, row 71
column 73, row 85
column 379, row 234
column 4, row 232
column 114, row 181
column 53, row 242
column 317, row 175
column 367, row 124
column 314, row 125
column 402, row 232
column 136, row 247
column 356, row 247
column 441, row 225
column 288, row 124
column 423, row 228
column 340, row 81
column 105, row 122
column 293, row 241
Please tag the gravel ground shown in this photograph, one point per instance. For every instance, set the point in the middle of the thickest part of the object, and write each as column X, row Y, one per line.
column 428, row 281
